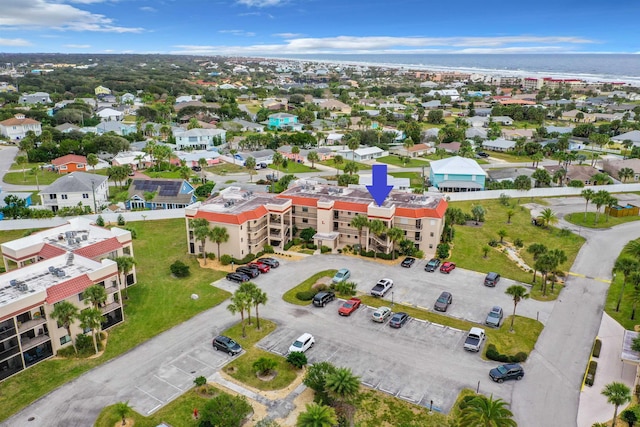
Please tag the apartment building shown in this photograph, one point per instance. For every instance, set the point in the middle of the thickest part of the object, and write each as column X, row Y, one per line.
column 45, row 268
column 255, row 219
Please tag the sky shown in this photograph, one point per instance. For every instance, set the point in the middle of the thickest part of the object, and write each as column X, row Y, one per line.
column 306, row 27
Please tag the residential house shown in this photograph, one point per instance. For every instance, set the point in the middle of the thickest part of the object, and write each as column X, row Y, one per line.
column 67, row 127
column 432, row 105
column 561, row 130
column 333, row 138
column 260, row 156
column 513, row 134
column 509, row 174
column 335, row 105
column 192, row 158
column 582, row 173
column 160, row 194
column 363, row 154
column 450, row 147
column 282, row 121
column 477, row 121
column 247, row 126
column 188, row 98
column 110, row 114
column 50, row 266
column 613, row 166
column 117, row 127
column 101, row 91
column 16, row 128
column 473, row 132
column 503, row 120
column 128, row 98
column 416, row 150
column 70, row 163
column 572, row 116
column 200, row 139
column 633, row 136
column 498, row 145
column 254, row 220
column 89, row 190
column 451, row 93
column 457, row 174
column 35, row 98
column 400, row 184
column 135, row 159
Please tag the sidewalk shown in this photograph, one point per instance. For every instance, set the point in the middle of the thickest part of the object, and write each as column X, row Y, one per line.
column 593, row 406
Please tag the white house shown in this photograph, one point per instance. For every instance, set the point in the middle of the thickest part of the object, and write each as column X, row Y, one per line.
column 110, row 115
column 499, row 145
column 17, row 127
column 83, row 188
column 35, row 98
column 451, row 93
column 199, row 139
column 362, row 154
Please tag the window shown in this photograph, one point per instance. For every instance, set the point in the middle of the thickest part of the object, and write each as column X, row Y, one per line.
column 127, row 250
column 65, row 339
column 305, row 209
column 85, row 195
column 430, row 245
column 305, row 220
column 431, row 234
column 81, row 296
column 432, row 222
column 64, row 197
column 53, row 196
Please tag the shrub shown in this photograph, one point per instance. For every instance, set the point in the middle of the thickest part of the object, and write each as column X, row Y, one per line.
column 368, row 254
column 134, row 233
column 225, row 259
column 311, row 246
column 247, row 259
column 288, row 245
column 597, row 346
column 200, row 381
column 264, row 365
column 565, row 232
column 121, row 220
column 339, row 251
column 179, row 269
column 225, row 410
column 268, row 249
column 306, row 295
column 442, row 251
column 211, row 255
column 205, row 189
column 84, row 343
column 493, row 354
column 324, row 249
column 493, row 243
column 505, row 200
column 346, row 288
column 576, row 183
column 519, row 357
column 100, row 221
column 297, row 359
column 591, row 373
column 464, row 402
column 518, row 243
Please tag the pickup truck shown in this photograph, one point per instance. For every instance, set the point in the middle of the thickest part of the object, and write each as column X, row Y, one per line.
column 474, row 339
column 382, row 287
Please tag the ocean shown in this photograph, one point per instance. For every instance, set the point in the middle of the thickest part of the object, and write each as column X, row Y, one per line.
column 590, row 67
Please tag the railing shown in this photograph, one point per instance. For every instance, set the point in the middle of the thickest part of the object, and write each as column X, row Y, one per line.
column 30, row 324
column 10, row 352
column 257, row 239
column 256, row 227
column 305, row 214
column 111, row 289
column 28, row 343
column 7, row 333
column 110, row 307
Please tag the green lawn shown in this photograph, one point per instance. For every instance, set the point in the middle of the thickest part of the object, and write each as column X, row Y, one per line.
column 293, row 167
column 414, row 177
column 15, row 166
column 329, row 163
column 623, row 316
column 225, row 168
column 290, row 295
column 27, row 178
column 158, row 244
column 604, row 221
column 469, row 240
column 397, row 161
column 166, row 174
column 508, row 157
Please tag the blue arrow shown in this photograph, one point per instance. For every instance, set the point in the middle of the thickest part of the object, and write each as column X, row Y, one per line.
column 379, row 189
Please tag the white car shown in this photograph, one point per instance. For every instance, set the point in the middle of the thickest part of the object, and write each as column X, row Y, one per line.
column 303, row 343
column 381, row 314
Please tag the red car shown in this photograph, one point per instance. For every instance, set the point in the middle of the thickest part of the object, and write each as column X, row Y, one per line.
column 263, row 268
column 447, row 267
column 349, row 307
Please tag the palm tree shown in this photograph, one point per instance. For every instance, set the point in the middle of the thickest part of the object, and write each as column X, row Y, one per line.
column 201, row 232
column 65, row 313
column 633, row 248
column 317, row 416
column 338, row 160
column 277, row 160
column 185, row 172
column 22, row 161
column 259, row 297
column 351, row 168
column 518, row 293
column 548, row 217
column 359, row 222
column 219, row 235
column 353, row 143
column 635, row 296
column 510, row 214
column 233, row 153
column 617, row 394
column 611, row 203
column 92, row 160
column 250, row 164
column 313, row 157
column 395, row 234
column 626, row 266
column 502, row 233
column 295, row 150
column 536, row 249
column 601, row 178
column 342, row 384
column 239, row 305
column 125, row 265
column 91, row 318
column 483, row 411
column 249, row 290
column 95, row 295
column 587, row 194
column 123, row 410
column 625, row 173
column 600, row 199
column 559, row 175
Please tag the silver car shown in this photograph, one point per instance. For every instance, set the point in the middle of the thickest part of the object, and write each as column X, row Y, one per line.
column 381, row 314
column 494, row 318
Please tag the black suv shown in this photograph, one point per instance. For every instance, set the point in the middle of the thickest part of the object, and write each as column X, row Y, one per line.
column 508, row 371
column 492, row 279
column 432, row 265
column 226, row 344
column 271, row 262
column 322, row 298
column 249, row 271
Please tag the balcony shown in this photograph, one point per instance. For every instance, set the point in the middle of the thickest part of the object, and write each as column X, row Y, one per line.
column 256, row 227
column 28, row 343
column 30, row 324
column 305, row 214
column 10, row 352
column 6, row 333
column 111, row 289
column 108, row 308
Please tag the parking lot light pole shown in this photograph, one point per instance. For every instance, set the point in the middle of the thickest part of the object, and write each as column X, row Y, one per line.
column 391, row 298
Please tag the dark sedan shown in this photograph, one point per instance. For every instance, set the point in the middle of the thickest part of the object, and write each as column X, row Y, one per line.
column 238, row 277
column 398, row 320
column 271, row 262
column 408, row 262
column 509, row 371
column 432, row 265
column 249, row 271
column 226, row 344
column 443, row 301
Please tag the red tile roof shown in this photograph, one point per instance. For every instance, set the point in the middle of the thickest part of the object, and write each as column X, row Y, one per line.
column 69, row 158
column 50, row 251
column 68, row 288
column 239, row 218
column 100, row 248
column 19, row 122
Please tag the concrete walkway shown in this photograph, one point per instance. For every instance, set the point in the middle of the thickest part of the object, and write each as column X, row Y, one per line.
column 593, row 406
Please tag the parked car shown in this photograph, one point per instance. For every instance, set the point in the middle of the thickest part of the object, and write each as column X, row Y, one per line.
column 349, row 307
column 474, row 339
column 507, row 371
column 482, row 154
column 447, row 267
column 262, row 268
column 271, row 262
column 226, row 344
column 381, row 314
column 303, row 343
column 398, row 319
column 342, row 275
column 249, row 271
column 196, row 168
column 238, row 277
column 492, row 279
column 382, row 287
column 432, row 265
column 260, row 166
column 272, row 177
column 408, row 262
column 494, row 318
column 443, row 301
column 323, row 298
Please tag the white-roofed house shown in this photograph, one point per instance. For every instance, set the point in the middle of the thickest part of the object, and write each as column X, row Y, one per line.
column 110, row 115
column 362, row 154
column 499, row 144
column 199, row 139
column 457, row 174
column 402, row 184
column 633, row 136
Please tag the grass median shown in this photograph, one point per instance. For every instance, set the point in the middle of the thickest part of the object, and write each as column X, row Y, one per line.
column 290, row 295
column 578, row 218
column 156, row 303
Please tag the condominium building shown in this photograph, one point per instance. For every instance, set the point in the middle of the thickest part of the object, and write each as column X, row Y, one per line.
column 253, row 220
column 45, row 268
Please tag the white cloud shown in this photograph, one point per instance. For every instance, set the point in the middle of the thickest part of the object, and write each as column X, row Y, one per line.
column 238, row 33
column 77, row 46
column 148, row 9
column 351, row 44
column 261, row 3
column 288, row 35
column 57, row 16
column 14, row 42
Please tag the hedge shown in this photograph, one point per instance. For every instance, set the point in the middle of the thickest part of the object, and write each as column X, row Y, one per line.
column 597, row 346
column 493, row 354
column 306, row 295
column 591, row 373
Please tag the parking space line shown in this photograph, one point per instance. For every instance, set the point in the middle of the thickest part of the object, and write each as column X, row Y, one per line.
column 167, row 382
column 206, row 364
